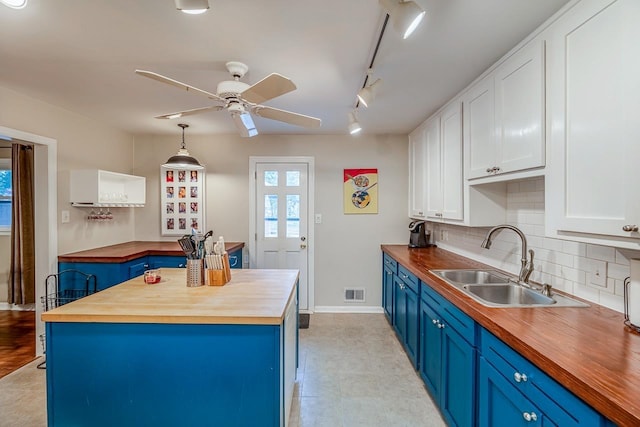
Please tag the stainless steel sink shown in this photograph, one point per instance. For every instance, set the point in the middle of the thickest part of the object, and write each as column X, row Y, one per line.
column 472, row 276
column 508, row 294
column 495, row 289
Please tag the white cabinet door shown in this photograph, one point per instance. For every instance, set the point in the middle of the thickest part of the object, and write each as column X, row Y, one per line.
column 479, row 129
column 417, row 176
column 519, row 109
column 594, row 92
column 452, row 179
column 433, row 165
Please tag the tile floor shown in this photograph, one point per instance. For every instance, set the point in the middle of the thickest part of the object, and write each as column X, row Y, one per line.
column 353, row 372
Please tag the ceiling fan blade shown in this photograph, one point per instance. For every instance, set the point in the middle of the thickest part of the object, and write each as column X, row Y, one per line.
column 172, row 82
column 268, row 88
column 244, row 124
column 287, row 117
column 179, row 114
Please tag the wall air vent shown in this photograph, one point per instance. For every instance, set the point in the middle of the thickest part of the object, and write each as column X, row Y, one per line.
column 354, row 295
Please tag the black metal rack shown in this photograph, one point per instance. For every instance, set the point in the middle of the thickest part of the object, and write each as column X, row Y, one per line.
column 77, row 284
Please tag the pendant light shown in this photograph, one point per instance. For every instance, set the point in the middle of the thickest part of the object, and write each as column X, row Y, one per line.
column 183, row 160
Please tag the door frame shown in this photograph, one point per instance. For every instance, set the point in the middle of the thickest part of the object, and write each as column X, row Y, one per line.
column 310, row 161
column 45, row 197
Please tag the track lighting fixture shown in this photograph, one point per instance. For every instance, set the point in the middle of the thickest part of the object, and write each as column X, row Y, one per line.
column 368, row 93
column 183, row 160
column 354, row 126
column 192, row 7
column 405, row 15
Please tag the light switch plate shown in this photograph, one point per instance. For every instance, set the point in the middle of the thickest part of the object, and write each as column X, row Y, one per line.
column 318, row 218
column 64, row 217
column 598, row 273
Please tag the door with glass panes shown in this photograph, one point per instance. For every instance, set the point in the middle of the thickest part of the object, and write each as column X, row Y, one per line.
column 281, row 220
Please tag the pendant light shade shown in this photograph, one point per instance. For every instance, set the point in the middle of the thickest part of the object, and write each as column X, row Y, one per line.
column 405, row 15
column 183, row 159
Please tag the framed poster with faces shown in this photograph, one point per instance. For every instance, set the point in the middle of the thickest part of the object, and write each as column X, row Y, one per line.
column 181, row 201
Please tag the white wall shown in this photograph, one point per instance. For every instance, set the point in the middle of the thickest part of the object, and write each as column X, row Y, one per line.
column 82, row 143
column 566, row 265
column 347, row 247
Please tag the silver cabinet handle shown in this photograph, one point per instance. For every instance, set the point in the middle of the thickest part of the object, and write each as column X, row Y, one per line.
column 529, row 416
column 434, row 321
column 630, row 227
column 518, row 377
column 496, row 168
column 441, row 325
column 489, row 170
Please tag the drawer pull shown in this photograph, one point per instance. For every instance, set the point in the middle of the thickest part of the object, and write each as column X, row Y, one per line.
column 630, row 227
column 520, row 377
column 434, row 321
column 530, row 416
column 440, row 325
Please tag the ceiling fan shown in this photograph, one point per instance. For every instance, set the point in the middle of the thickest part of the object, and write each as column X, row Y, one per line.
column 241, row 99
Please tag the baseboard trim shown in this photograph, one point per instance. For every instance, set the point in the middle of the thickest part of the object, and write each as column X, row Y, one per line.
column 17, row 307
column 347, row 309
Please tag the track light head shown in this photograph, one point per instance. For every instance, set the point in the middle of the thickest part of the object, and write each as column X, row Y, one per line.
column 405, row 15
column 192, row 7
column 367, row 94
column 354, row 125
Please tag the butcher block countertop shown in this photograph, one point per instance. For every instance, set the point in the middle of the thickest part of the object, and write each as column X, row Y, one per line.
column 131, row 250
column 588, row 350
column 256, row 297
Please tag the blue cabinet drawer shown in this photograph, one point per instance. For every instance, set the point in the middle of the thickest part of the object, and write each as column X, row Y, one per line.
column 451, row 314
column 167, row 261
column 409, row 279
column 235, row 258
column 555, row 401
column 390, row 263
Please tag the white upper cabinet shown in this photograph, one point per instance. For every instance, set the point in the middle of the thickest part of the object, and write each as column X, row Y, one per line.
column 417, row 173
column 594, row 96
column 444, row 164
column 504, row 116
column 94, row 187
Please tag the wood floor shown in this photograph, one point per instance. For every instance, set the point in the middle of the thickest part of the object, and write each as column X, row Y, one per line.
column 17, row 339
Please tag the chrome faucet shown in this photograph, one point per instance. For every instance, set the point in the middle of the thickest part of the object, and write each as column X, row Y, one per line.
column 527, row 265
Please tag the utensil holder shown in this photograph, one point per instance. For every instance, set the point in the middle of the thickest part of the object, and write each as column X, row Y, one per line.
column 195, row 272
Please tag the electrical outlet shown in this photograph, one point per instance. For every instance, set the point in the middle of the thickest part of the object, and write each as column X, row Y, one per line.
column 446, row 235
column 598, row 273
column 64, row 217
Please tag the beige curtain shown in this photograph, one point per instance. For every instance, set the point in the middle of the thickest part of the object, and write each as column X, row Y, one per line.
column 22, row 273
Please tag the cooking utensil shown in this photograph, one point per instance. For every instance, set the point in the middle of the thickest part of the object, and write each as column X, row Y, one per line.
column 186, row 244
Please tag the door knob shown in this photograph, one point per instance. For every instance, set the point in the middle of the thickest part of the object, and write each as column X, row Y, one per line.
column 303, row 246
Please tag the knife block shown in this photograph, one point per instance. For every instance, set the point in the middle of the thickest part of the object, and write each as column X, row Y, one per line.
column 220, row 277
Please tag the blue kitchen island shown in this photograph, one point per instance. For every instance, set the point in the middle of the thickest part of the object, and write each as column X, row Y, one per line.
column 170, row 355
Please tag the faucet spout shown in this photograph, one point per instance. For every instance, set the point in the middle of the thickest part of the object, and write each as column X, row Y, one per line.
column 526, row 265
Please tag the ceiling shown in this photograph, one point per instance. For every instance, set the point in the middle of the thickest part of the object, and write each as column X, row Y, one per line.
column 81, row 56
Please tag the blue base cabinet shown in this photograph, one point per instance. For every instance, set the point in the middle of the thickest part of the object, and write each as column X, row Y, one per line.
column 235, row 258
column 108, row 274
column 447, row 358
column 515, row 392
column 406, row 312
column 167, row 261
column 389, row 271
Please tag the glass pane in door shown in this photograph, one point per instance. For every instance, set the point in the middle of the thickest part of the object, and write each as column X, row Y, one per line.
column 270, row 178
column 293, row 215
column 270, row 215
column 293, row 178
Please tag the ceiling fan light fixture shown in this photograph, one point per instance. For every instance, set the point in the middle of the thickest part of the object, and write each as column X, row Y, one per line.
column 183, row 160
column 367, row 94
column 405, row 15
column 354, row 125
column 192, row 7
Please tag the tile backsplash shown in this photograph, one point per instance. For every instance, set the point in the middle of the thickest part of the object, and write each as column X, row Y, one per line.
column 593, row 272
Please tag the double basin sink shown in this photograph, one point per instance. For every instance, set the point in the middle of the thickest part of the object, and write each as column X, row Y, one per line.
column 495, row 289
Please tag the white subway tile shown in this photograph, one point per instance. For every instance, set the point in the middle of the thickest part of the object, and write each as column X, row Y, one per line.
column 563, row 259
column 603, row 253
column 614, row 302
column 528, row 185
column 617, row 271
column 513, row 187
column 572, row 274
column 553, row 244
column 574, row 248
column 586, row 292
column 581, row 263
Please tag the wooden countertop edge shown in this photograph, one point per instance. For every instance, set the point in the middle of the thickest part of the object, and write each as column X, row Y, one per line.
column 169, row 320
column 611, row 406
column 93, row 255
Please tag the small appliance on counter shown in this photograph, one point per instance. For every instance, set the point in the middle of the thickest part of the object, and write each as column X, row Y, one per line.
column 419, row 236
